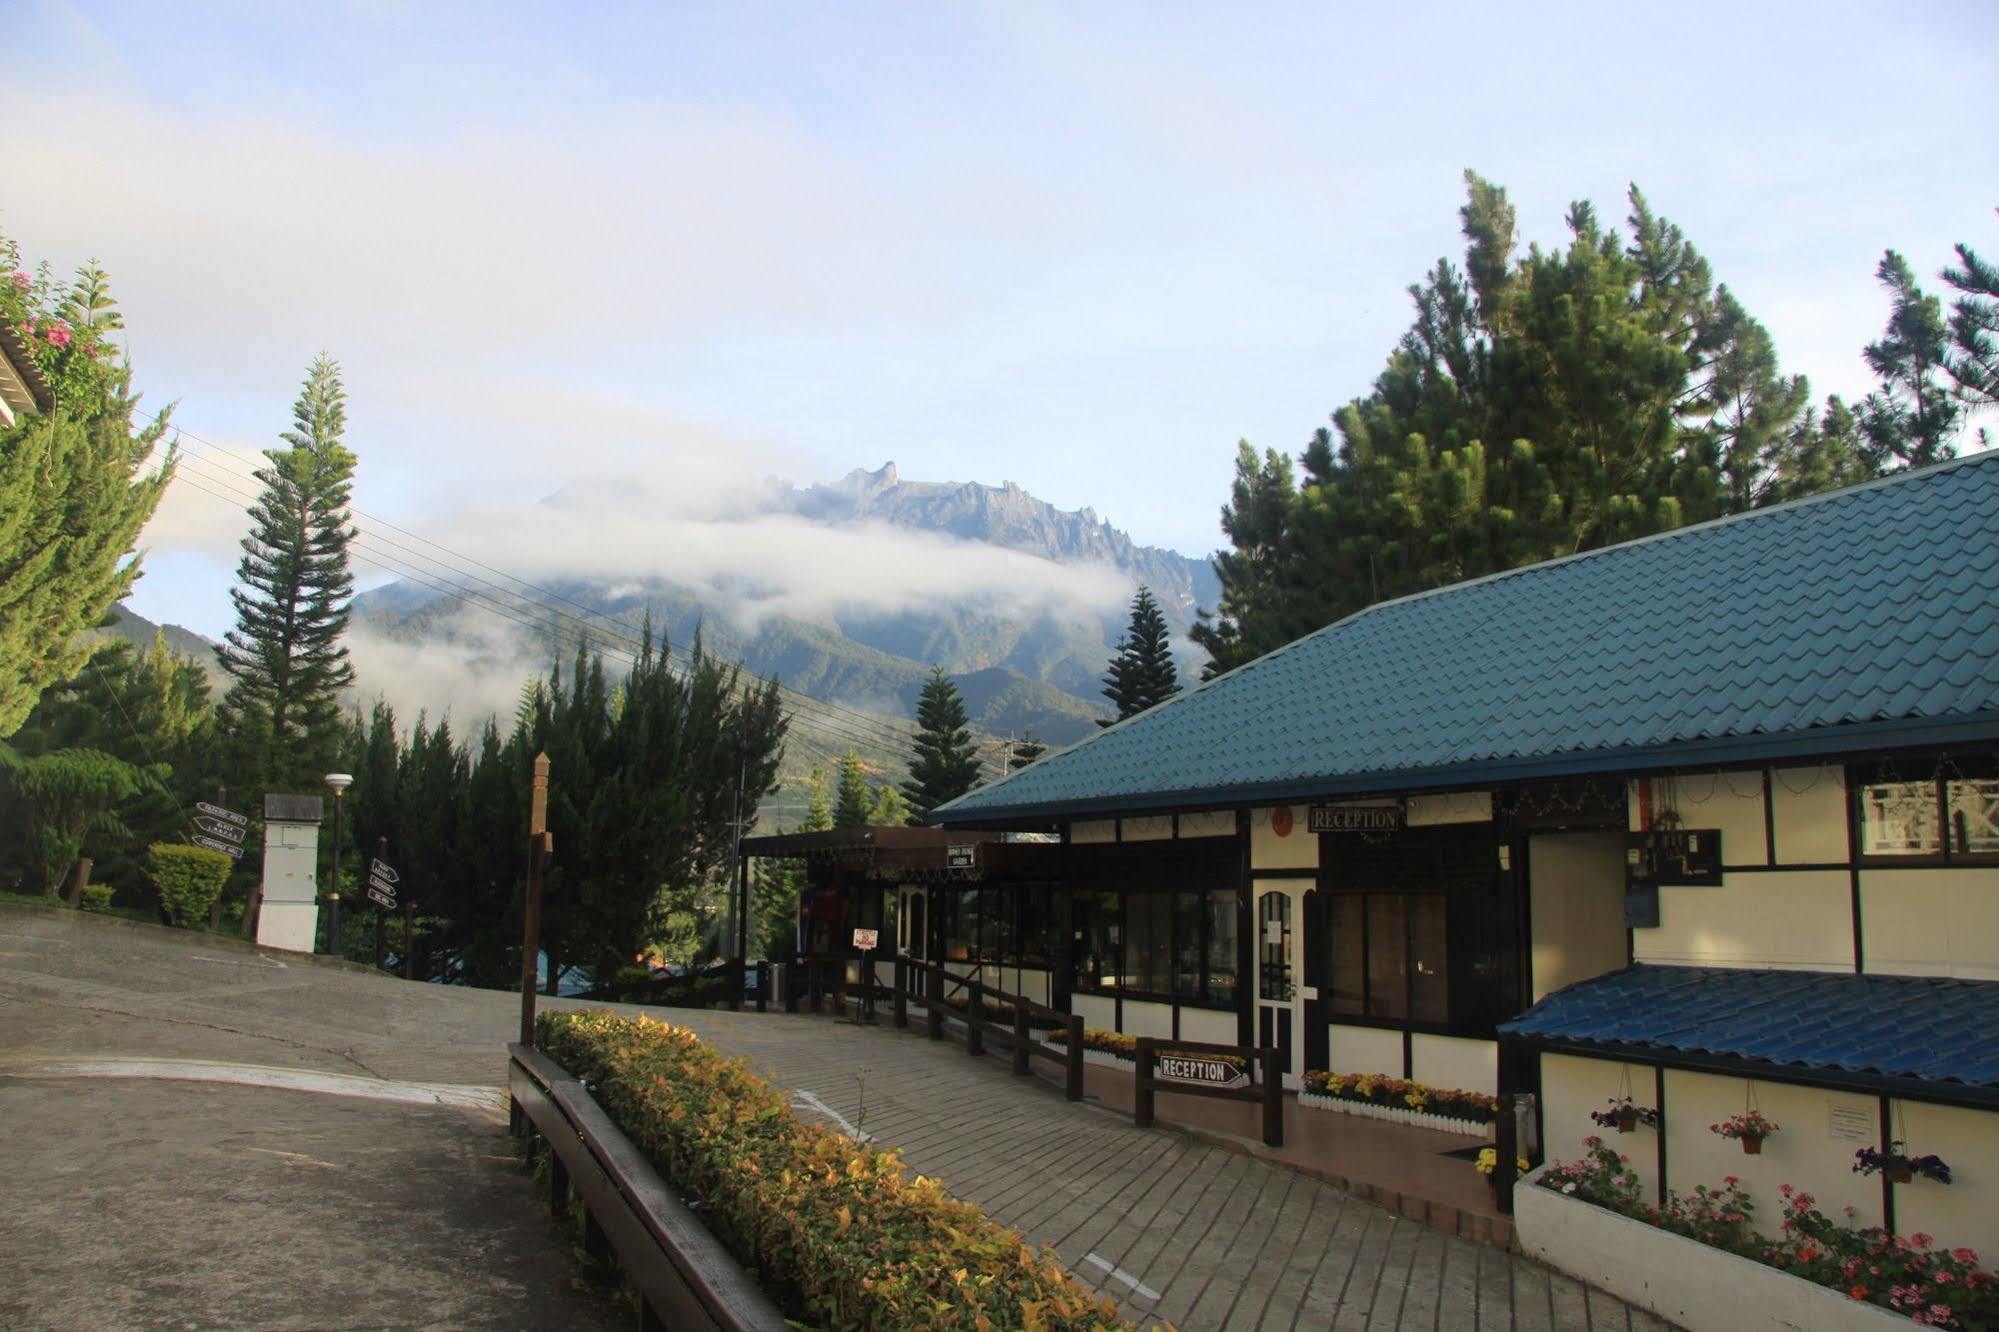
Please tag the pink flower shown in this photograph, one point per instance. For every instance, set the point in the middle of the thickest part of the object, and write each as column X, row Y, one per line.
column 1964, row 1255
column 1940, row 1312
column 58, row 335
column 21, row 280
column 1733, row 1180
column 1922, row 1241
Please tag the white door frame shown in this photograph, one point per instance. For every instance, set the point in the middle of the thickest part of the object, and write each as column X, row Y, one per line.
column 1287, row 898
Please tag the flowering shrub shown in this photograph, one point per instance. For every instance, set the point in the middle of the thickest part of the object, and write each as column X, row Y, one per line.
column 1488, row 1163
column 1934, row 1287
column 1399, row 1093
column 835, row 1231
column 1125, row 1046
column 1748, row 1125
column 62, row 325
column 1898, row 1164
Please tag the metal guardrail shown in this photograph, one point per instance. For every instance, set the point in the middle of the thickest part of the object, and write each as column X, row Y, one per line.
column 685, row 1278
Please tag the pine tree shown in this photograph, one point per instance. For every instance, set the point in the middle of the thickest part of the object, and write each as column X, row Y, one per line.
column 1974, row 327
column 946, row 764
column 888, row 809
column 1025, row 751
column 1141, row 670
column 285, row 653
column 850, row 809
column 75, row 488
column 1251, row 618
column 1912, row 418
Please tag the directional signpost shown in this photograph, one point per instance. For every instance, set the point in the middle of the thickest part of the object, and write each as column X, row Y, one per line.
column 221, row 829
column 382, row 881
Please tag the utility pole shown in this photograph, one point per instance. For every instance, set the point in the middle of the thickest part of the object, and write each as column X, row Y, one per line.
column 540, row 848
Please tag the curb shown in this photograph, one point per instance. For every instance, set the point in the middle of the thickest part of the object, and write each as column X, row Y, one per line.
column 229, row 942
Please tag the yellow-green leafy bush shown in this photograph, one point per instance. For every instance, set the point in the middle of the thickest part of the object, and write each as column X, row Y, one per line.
column 189, row 878
column 95, row 897
column 833, row 1229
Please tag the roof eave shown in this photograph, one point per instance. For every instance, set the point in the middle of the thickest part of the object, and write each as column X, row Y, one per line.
column 1821, row 743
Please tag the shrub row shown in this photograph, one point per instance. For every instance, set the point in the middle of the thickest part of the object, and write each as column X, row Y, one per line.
column 833, row 1229
column 1402, row 1094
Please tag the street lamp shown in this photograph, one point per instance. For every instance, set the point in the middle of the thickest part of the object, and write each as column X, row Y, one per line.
column 337, row 782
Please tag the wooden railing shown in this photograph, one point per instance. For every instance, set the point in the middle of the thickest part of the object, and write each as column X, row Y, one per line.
column 684, row 1277
column 1194, row 1068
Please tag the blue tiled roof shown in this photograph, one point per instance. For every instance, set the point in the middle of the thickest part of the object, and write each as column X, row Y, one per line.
column 1927, row 1028
column 1874, row 607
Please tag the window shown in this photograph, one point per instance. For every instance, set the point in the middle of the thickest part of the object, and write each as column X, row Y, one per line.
column 1037, row 927
column 1939, row 818
column 1390, row 956
column 1181, row 944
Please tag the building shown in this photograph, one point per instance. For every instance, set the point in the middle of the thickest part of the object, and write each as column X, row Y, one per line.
column 1712, row 816
column 24, row 390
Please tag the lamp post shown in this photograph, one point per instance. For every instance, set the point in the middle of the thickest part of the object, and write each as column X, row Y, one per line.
column 337, row 782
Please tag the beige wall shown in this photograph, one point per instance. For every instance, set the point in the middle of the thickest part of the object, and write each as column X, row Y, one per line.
column 1158, row 828
column 1299, row 850
column 1456, row 807
column 1365, row 1050
column 1785, row 919
column 1931, row 922
column 1144, row 1019
column 1965, row 1212
column 1571, row 1088
column 1454, row 1062
column 1209, row 1025
column 1808, row 806
column 1804, row 1153
column 1095, row 1010
column 1576, row 882
column 1211, row 823
column 1093, row 830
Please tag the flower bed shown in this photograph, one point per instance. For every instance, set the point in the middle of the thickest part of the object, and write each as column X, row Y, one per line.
column 834, row 1230
column 1378, row 1096
column 1902, row 1273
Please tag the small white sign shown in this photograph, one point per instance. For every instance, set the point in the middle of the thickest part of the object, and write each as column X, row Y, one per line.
column 1850, row 1123
column 866, row 940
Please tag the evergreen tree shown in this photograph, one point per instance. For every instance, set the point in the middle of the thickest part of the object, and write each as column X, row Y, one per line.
column 74, row 483
column 1974, row 327
column 855, row 800
column 946, row 764
column 888, row 809
column 285, row 654
column 1141, row 670
column 1250, row 620
column 1913, row 417
column 1025, row 751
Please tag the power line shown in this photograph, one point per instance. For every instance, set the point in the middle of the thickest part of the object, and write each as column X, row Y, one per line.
column 906, row 730
column 366, row 549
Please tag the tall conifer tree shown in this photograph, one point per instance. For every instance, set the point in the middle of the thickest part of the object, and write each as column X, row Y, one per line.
column 1913, row 417
column 946, row 763
column 1141, row 670
column 855, row 800
column 294, row 586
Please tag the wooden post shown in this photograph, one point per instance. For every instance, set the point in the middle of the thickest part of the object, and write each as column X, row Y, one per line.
column 409, row 938
column 1273, row 1098
column 901, row 974
column 975, row 1021
column 763, row 983
column 531, row 918
column 1020, row 1067
column 1507, row 1148
column 1141, row 1097
column 1073, row 1072
column 933, row 998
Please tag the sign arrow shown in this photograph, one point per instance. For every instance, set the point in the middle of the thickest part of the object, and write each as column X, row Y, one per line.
column 380, row 870
column 379, row 900
column 228, row 814
column 227, row 831
column 233, row 852
column 384, row 886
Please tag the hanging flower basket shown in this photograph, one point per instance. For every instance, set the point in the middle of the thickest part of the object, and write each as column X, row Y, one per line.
column 1898, row 1166
column 1624, row 1116
column 1750, row 1128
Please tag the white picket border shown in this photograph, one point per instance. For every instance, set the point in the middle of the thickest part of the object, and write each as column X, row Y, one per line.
column 1397, row 1115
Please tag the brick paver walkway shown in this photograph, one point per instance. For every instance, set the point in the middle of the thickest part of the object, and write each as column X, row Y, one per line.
column 1172, row 1228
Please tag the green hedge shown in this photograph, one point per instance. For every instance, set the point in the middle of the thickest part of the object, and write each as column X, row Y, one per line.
column 189, row 878
column 837, row 1234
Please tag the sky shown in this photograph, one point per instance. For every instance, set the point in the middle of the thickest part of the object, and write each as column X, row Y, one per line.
column 659, row 252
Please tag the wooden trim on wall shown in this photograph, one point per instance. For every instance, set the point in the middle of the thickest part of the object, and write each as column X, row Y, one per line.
column 1769, row 822
column 1245, row 933
column 1857, row 921
column 1659, row 1104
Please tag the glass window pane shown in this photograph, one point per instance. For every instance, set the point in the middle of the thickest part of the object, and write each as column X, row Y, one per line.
column 1034, row 926
column 1899, row 819
column 1273, row 946
column 1387, row 956
column 1347, row 919
column 1148, row 941
column 1429, row 976
column 1221, row 946
column 1974, row 817
column 961, row 931
column 1187, row 945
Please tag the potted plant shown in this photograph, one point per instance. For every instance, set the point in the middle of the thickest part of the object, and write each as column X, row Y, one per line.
column 1898, row 1165
column 1749, row 1128
column 1624, row 1116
